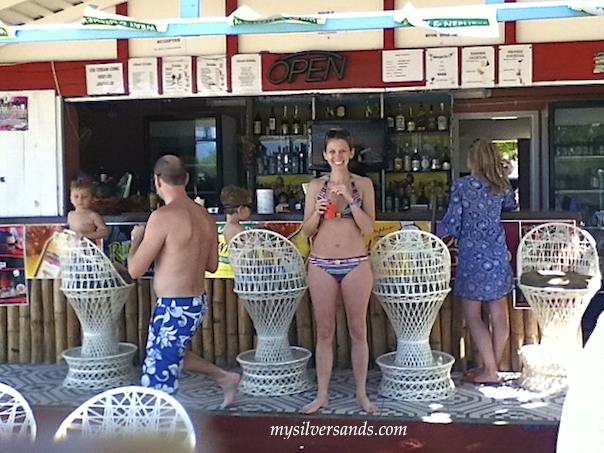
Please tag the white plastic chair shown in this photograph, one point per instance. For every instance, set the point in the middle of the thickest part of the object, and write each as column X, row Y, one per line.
column 129, row 412
column 17, row 420
column 412, row 272
column 551, row 251
column 270, row 278
column 98, row 293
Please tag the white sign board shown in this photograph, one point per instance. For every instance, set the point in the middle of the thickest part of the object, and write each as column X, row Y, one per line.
column 402, row 65
column 212, row 75
column 177, row 74
column 142, row 76
column 515, row 65
column 169, row 46
column 246, row 74
column 442, row 68
column 105, row 79
column 477, row 67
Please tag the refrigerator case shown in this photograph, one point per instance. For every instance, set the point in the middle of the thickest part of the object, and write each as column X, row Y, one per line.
column 577, row 160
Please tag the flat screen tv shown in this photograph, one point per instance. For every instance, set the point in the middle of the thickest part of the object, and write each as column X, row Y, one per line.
column 369, row 138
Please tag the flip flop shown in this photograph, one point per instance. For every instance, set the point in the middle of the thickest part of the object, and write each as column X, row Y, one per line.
column 471, row 379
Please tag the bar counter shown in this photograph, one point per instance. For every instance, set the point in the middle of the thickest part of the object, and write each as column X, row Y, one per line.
column 40, row 331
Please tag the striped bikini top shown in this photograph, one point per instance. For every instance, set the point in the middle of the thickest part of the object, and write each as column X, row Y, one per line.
column 356, row 196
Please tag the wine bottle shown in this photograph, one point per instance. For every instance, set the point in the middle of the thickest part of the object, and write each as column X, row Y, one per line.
column 272, row 122
column 390, row 120
column 341, row 111
column 442, row 121
column 446, row 161
column 368, row 110
column 407, row 157
column 296, row 126
column 397, row 164
column 431, row 120
column 420, row 122
column 411, row 121
column 400, row 119
column 302, row 162
column 257, row 124
column 416, row 161
column 284, row 129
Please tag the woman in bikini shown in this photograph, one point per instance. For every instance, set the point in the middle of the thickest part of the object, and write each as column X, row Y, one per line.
column 339, row 263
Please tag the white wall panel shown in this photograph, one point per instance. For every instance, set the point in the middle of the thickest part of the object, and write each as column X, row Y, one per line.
column 170, row 9
column 31, row 161
column 296, row 42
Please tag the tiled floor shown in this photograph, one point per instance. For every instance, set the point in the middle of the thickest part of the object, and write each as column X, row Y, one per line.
column 42, row 386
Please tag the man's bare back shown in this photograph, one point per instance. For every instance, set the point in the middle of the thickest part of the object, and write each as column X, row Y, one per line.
column 187, row 253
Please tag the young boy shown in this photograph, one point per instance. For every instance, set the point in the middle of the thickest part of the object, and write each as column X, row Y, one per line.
column 237, row 203
column 85, row 222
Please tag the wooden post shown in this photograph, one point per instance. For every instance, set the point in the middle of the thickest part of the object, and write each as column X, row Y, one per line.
column 531, row 327
column 231, row 323
column 244, row 326
column 12, row 333
column 49, row 322
column 379, row 337
column 144, row 314
column 73, row 327
column 131, row 316
column 342, row 343
column 37, row 325
column 3, row 336
column 446, row 313
column 219, row 321
column 436, row 335
column 457, row 335
column 24, row 334
column 60, row 315
column 304, row 323
column 207, row 329
column 506, row 359
column 516, row 336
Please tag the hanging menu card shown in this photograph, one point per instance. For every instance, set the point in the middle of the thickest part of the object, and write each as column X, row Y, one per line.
column 177, row 75
column 246, row 74
column 142, row 76
column 105, row 79
column 477, row 67
column 402, row 65
column 211, row 75
column 442, row 68
column 515, row 65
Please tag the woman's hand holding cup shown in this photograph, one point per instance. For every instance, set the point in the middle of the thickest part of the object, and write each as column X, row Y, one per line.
column 321, row 206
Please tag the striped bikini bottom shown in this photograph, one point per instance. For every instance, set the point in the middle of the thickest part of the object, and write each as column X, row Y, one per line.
column 338, row 268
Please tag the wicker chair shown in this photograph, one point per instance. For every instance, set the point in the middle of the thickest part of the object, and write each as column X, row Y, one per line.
column 411, row 271
column 17, row 420
column 97, row 292
column 129, row 412
column 558, row 273
column 270, row 278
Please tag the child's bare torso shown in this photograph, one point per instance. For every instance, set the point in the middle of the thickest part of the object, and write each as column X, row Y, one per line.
column 81, row 222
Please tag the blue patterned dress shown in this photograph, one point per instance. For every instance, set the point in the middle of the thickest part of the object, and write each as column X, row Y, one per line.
column 474, row 218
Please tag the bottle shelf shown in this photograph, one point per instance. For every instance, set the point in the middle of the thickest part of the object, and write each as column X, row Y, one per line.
column 578, row 191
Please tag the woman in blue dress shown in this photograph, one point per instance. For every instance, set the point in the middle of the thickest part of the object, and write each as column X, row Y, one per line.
column 483, row 277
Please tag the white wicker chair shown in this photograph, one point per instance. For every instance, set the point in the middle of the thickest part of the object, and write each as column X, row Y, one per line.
column 17, row 420
column 555, row 248
column 270, row 278
column 412, row 271
column 97, row 292
column 129, row 412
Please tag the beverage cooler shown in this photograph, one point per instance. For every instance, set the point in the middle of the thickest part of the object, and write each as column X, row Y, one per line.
column 577, row 160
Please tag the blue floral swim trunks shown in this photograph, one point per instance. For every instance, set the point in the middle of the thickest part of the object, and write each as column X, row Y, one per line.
column 174, row 322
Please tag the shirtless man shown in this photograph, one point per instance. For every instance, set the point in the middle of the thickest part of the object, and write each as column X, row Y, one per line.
column 181, row 238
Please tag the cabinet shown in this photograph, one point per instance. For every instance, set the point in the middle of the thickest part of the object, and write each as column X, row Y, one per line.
column 577, row 160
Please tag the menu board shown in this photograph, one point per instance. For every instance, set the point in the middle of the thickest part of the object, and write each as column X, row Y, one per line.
column 105, row 79
column 402, row 65
column 246, row 74
column 515, row 65
column 142, row 76
column 477, row 67
column 442, row 68
column 211, row 75
column 13, row 284
column 177, row 74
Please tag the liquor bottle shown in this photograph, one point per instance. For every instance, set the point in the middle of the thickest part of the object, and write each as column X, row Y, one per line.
column 411, row 125
column 446, row 161
column 284, row 128
column 390, row 120
column 400, row 119
column 407, row 157
column 397, row 164
column 272, row 122
column 425, row 163
column 422, row 199
column 257, row 124
column 420, row 122
column 329, row 112
column 296, row 126
column 442, row 121
column 287, row 163
column 302, row 162
column 416, row 161
column 279, row 161
column 368, row 110
column 341, row 111
column 431, row 120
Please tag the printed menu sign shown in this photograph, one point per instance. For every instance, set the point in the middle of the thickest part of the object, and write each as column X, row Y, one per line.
column 13, row 287
column 442, row 68
column 142, row 76
column 211, row 75
column 246, row 74
column 515, row 65
column 105, row 79
column 177, row 75
column 402, row 65
column 477, row 67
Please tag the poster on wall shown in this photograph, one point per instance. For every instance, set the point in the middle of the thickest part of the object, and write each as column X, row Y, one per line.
column 515, row 66
column 42, row 256
column 13, row 284
column 177, row 75
column 246, row 74
column 105, row 79
column 442, row 68
column 212, row 75
column 13, row 113
column 402, row 65
column 142, row 77
column 477, row 67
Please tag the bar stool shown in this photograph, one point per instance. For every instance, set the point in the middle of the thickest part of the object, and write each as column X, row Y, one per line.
column 97, row 293
column 270, row 278
column 412, row 271
column 558, row 273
